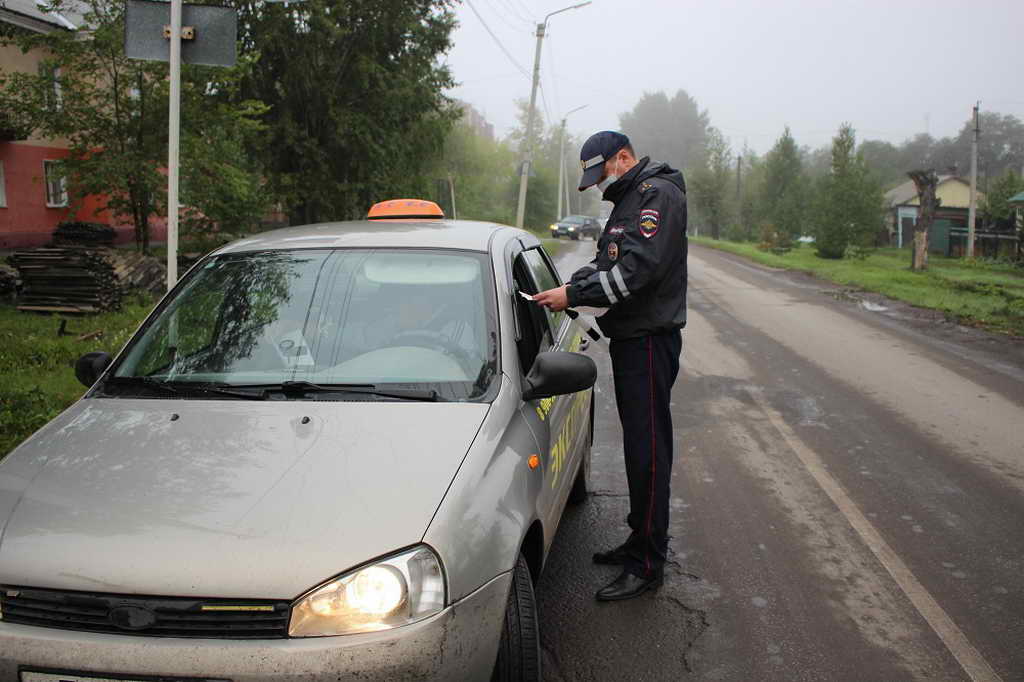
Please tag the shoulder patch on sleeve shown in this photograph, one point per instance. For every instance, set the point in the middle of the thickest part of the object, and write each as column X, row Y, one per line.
column 649, row 219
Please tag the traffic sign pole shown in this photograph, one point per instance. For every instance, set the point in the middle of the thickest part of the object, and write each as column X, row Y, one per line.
column 173, row 135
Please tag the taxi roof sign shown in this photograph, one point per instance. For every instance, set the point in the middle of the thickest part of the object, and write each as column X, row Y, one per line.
column 393, row 209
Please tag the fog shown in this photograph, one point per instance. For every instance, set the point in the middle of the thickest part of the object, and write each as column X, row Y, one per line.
column 892, row 68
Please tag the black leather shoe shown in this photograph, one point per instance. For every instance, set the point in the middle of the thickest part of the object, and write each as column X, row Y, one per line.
column 627, row 586
column 611, row 557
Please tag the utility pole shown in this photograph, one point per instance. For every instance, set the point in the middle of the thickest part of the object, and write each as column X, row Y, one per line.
column 451, row 190
column 524, row 169
column 562, row 180
column 974, row 185
column 561, row 172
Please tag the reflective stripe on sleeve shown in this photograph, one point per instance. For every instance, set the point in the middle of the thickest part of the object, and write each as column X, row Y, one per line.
column 619, row 282
column 607, row 286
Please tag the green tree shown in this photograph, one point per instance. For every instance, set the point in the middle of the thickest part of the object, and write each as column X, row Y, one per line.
column 712, row 185
column 849, row 202
column 113, row 112
column 355, row 89
column 784, row 192
column 883, row 159
column 672, row 130
column 996, row 206
column 479, row 169
column 747, row 208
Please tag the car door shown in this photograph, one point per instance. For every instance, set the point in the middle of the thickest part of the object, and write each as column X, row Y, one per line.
column 559, row 422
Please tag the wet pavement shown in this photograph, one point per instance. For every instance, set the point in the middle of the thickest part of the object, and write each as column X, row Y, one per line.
column 848, row 493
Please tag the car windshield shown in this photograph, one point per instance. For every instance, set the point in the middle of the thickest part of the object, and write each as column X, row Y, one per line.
column 401, row 318
column 573, row 219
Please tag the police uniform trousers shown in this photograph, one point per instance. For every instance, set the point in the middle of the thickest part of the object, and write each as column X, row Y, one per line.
column 644, row 370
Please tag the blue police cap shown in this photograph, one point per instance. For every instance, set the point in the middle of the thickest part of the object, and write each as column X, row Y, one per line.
column 598, row 148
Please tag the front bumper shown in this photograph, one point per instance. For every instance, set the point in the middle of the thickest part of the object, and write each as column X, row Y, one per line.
column 460, row 643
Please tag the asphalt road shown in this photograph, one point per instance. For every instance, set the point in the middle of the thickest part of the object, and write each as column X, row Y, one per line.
column 847, row 497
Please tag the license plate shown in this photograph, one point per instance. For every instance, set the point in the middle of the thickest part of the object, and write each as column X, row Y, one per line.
column 30, row 676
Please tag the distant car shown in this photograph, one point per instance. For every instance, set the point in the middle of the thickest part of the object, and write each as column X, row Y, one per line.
column 576, row 226
column 336, row 451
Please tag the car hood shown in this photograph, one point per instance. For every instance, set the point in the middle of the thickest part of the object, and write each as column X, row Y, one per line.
column 223, row 498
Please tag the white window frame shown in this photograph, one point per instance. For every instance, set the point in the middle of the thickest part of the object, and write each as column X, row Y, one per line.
column 61, row 184
column 3, row 187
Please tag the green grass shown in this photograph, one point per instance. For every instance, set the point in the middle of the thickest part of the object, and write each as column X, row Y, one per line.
column 38, row 365
column 986, row 295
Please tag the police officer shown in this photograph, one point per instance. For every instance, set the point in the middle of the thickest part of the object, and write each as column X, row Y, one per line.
column 639, row 274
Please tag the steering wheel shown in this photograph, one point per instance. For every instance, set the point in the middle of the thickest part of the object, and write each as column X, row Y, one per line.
column 425, row 338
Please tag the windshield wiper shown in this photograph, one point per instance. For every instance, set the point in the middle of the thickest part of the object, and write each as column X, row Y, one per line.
column 185, row 387
column 299, row 387
column 148, row 382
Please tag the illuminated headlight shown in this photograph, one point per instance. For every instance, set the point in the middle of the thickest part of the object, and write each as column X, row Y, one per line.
column 554, row 227
column 392, row 592
column 572, row 229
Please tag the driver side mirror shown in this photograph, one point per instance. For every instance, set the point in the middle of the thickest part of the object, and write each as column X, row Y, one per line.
column 557, row 373
column 90, row 366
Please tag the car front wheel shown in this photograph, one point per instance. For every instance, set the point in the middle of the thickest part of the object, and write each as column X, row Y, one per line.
column 519, row 650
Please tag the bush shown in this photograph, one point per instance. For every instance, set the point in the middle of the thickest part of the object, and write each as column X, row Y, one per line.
column 84, row 233
column 775, row 240
column 22, row 412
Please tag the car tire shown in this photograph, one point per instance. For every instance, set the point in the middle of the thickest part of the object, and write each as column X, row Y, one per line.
column 519, row 649
column 575, row 237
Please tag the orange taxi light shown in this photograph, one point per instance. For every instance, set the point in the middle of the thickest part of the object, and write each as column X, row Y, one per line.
column 404, row 208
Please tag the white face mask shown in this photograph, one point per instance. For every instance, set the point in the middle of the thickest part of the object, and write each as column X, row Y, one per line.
column 606, row 183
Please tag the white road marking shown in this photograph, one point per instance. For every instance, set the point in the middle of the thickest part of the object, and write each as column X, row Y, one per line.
column 969, row 658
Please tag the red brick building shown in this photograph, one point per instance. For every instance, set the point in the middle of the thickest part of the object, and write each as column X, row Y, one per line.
column 33, row 195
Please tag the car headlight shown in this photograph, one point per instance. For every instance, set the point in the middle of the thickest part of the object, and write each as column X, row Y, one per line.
column 554, row 227
column 386, row 594
column 572, row 229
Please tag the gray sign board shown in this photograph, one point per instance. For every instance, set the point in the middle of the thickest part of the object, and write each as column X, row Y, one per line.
column 216, row 30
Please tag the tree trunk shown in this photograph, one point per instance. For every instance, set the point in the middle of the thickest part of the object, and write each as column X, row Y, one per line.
column 925, row 181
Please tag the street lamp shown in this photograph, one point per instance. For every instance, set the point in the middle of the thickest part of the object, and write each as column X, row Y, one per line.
column 524, row 169
column 561, row 165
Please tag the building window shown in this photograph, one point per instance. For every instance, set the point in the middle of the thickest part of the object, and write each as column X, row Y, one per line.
column 3, row 187
column 56, row 184
column 54, row 94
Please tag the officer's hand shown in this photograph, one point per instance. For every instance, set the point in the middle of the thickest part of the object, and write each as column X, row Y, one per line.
column 555, row 299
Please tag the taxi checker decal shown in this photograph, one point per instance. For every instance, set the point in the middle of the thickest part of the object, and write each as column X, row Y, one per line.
column 564, row 442
column 649, row 222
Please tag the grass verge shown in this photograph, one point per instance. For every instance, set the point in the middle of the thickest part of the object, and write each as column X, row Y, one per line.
column 38, row 365
column 986, row 295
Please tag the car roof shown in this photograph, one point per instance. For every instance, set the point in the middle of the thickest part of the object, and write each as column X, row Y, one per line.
column 467, row 235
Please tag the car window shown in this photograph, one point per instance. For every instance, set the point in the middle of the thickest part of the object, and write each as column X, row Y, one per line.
column 545, row 279
column 326, row 316
column 534, row 330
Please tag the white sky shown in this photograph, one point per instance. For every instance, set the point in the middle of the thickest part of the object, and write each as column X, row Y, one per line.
column 755, row 66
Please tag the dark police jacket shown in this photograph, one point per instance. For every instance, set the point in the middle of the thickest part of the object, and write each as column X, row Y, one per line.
column 640, row 268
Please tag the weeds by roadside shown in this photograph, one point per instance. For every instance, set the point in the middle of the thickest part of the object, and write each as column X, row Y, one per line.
column 37, row 364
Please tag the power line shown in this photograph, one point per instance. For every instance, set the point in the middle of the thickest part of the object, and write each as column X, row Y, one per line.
column 498, row 42
column 553, row 78
column 547, row 111
column 511, row 5
column 502, row 15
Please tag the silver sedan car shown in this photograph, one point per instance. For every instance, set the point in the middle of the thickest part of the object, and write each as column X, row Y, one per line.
column 332, row 452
